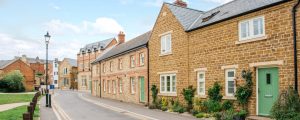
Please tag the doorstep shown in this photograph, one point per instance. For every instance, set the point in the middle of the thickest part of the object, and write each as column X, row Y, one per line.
column 258, row 118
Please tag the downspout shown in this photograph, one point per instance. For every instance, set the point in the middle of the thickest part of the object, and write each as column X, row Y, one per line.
column 295, row 44
column 100, row 79
column 148, row 79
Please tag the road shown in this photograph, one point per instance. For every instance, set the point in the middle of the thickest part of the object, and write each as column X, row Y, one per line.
column 74, row 108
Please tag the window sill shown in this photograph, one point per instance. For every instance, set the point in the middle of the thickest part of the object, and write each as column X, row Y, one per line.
column 165, row 54
column 168, row 94
column 229, row 98
column 251, row 40
column 201, row 96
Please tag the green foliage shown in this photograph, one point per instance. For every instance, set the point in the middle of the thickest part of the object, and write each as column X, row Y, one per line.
column 243, row 93
column 189, row 94
column 228, row 115
column 154, row 91
column 164, row 108
column 212, row 106
column 176, row 107
column 227, row 105
column 202, row 115
column 287, row 106
column 214, row 92
column 197, row 106
column 241, row 114
column 13, row 82
column 164, row 102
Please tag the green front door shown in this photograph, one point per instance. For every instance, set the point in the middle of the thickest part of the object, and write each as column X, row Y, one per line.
column 267, row 89
column 142, row 89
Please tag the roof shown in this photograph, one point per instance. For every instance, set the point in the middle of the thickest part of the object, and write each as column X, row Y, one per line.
column 125, row 47
column 96, row 45
column 34, row 60
column 192, row 19
column 72, row 62
column 4, row 63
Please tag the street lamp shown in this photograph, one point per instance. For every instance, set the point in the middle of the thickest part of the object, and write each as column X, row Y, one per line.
column 47, row 39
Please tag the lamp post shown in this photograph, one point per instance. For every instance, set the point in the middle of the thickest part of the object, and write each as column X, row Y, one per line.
column 47, row 39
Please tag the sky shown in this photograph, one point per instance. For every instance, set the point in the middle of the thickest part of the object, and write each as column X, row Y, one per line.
column 74, row 23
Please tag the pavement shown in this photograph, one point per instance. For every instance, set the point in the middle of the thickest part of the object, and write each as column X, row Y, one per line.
column 78, row 105
column 5, row 107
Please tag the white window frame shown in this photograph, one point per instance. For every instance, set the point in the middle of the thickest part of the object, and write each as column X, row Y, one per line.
column 142, row 59
column 132, row 61
column 132, row 85
column 104, row 85
column 165, row 83
column 114, row 86
column 163, row 43
column 109, row 86
column 251, row 28
column 120, row 86
column 198, row 82
column 227, row 79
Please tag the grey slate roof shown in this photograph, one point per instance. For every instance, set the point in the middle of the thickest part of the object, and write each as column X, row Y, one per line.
column 125, row 47
column 4, row 63
column 96, row 45
column 72, row 62
column 228, row 10
column 185, row 16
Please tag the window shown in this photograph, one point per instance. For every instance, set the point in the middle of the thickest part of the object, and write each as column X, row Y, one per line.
column 168, row 83
column 201, row 83
column 166, row 44
column 120, row 64
column 142, row 59
column 55, row 65
column 104, row 85
column 252, row 28
column 114, row 86
column 83, row 80
column 104, row 68
column 230, row 85
column 109, row 86
column 132, row 61
column 111, row 66
column 120, row 86
column 55, row 81
column 66, row 81
column 65, row 71
column 132, row 85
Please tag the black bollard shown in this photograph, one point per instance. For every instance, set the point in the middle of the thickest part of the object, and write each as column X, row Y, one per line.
column 49, row 100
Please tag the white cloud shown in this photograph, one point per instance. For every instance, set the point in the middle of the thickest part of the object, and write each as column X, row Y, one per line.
column 219, row 1
column 59, row 27
column 101, row 26
column 12, row 46
column 55, row 6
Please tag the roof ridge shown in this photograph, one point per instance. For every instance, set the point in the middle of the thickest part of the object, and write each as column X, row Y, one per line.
column 184, row 7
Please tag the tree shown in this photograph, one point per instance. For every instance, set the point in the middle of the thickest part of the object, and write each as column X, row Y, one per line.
column 13, row 82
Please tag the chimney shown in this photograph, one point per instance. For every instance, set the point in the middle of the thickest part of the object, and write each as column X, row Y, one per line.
column 121, row 37
column 180, row 3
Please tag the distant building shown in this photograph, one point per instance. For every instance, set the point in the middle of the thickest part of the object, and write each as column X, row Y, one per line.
column 67, row 74
column 55, row 72
column 7, row 66
column 86, row 56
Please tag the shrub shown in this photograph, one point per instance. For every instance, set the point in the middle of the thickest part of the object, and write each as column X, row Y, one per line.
column 241, row 114
column 212, row 106
column 243, row 93
column 228, row 115
column 197, row 106
column 164, row 108
column 214, row 92
column 200, row 115
column 287, row 106
column 154, row 91
column 13, row 82
column 189, row 94
column 227, row 105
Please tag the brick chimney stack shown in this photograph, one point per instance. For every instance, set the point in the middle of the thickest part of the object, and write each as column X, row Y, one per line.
column 180, row 3
column 121, row 37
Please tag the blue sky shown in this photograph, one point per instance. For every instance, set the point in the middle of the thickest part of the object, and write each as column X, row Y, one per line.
column 74, row 23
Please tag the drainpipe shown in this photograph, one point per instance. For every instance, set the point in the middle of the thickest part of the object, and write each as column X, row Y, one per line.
column 148, row 79
column 295, row 43
column 100, row 79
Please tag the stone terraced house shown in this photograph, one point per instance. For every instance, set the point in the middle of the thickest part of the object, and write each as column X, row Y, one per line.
column 121, row 73
column 86, row 56
column 67, row 70
column 193, row 47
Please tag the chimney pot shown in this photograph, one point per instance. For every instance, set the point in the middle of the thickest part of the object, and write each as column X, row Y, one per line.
column 180, row 3
column 121, row 37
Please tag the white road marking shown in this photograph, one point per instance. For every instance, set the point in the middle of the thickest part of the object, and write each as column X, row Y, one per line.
column 126, row 112
column 59, row 112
